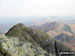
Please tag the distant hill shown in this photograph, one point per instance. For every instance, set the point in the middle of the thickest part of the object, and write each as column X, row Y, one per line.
column 54, row 29
column 48, row 26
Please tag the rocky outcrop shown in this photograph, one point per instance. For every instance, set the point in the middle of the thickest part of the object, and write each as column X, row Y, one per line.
column 14, row 47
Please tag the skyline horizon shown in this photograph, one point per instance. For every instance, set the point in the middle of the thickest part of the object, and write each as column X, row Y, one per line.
column 34, row 19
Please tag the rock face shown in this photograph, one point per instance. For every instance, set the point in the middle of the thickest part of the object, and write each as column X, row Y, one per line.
column 14, row 47
column 23, row 41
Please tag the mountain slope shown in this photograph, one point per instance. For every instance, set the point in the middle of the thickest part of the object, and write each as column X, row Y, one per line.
column 54, row 29
column 35, row 37
column 17, row 31
column 67, row 40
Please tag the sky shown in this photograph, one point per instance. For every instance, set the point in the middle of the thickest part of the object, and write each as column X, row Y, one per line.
column 22, row 8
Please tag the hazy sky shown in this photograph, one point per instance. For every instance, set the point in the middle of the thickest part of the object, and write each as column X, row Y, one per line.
column 21, row 8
